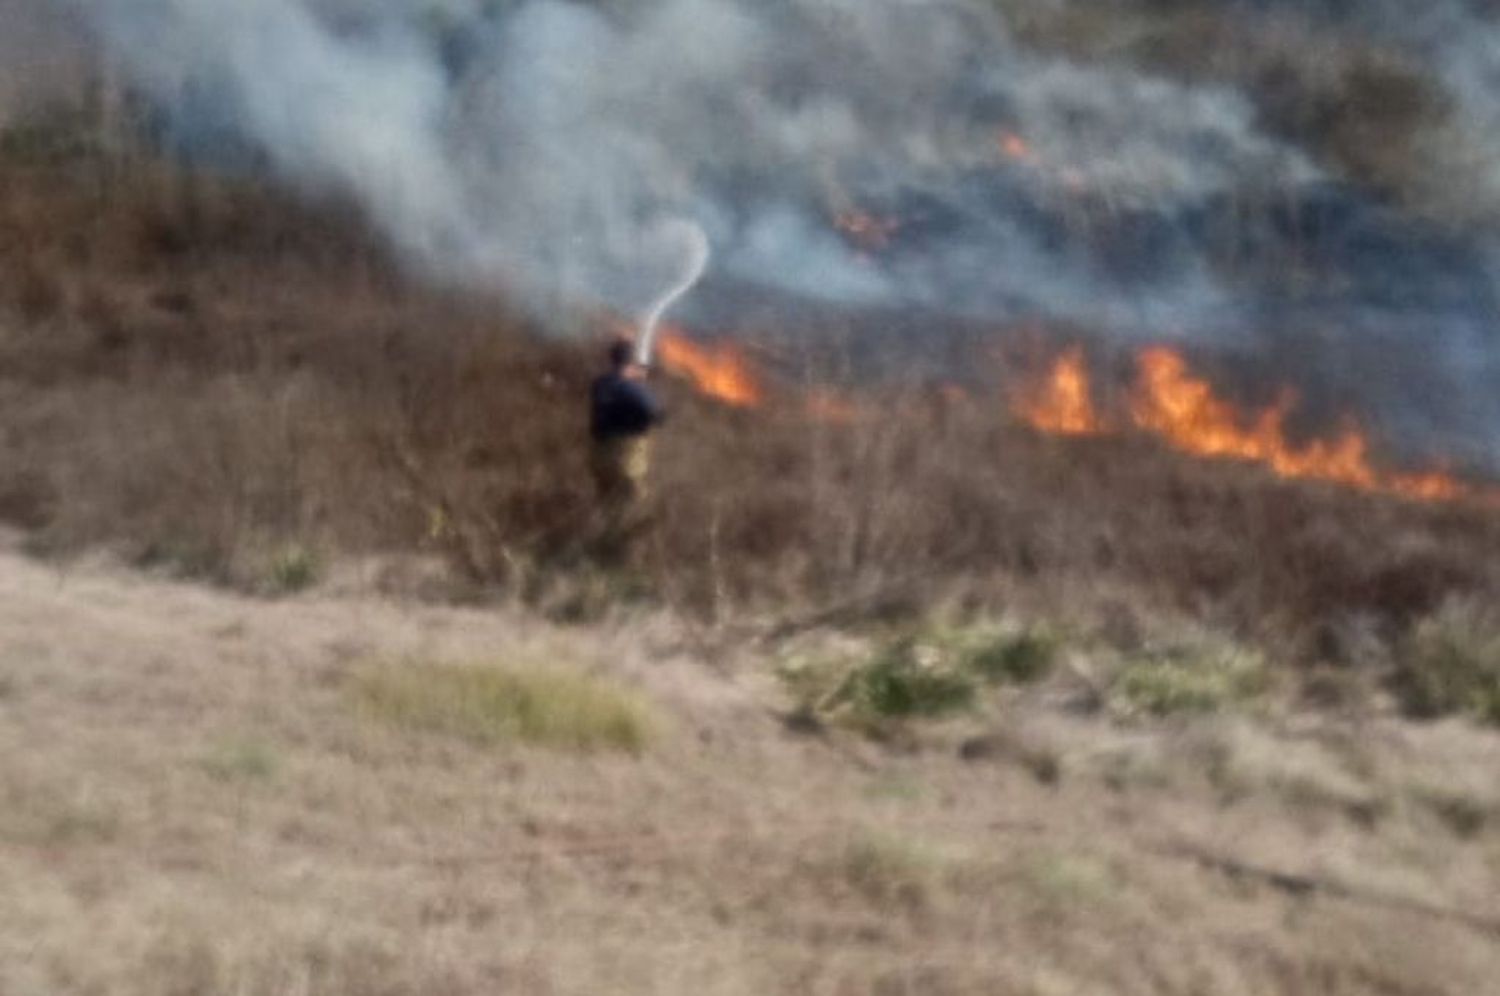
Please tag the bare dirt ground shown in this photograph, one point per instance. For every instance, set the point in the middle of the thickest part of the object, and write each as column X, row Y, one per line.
column 191, row 802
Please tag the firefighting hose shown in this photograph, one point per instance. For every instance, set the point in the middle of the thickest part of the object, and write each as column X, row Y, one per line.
column 693, row 239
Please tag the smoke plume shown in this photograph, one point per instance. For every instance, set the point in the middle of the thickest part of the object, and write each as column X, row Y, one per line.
column 533, row 144
column 890, row 155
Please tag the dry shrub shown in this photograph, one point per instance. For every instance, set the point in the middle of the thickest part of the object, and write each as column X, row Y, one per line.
column 1451, row 664
column 283, row 387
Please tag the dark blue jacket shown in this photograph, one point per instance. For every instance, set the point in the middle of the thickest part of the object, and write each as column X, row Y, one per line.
column 620, row 407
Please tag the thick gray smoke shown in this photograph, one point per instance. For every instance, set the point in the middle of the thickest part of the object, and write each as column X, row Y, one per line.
column 534, row 143
column 901, row 158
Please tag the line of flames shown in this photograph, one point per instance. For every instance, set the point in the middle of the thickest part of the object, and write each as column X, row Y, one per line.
column 1169, row 401
column 1166, row 400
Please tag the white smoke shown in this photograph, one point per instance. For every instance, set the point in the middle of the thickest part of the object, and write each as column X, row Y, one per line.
column 532, row 144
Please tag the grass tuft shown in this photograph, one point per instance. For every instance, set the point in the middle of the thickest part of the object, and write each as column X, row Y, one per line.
column 492, row 704
column 1189, row 682
column 891, row 871
column 294, row 568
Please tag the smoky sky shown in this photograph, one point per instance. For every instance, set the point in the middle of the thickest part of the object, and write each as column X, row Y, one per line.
column 533, row 146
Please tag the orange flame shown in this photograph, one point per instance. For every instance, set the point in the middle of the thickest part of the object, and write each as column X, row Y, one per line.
column 1063, row 404
column 1015, row 147
column 1171, row 402
column 720, row 371
column 1181, row 408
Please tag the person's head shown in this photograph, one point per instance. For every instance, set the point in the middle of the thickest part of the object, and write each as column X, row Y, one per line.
column 621, row 353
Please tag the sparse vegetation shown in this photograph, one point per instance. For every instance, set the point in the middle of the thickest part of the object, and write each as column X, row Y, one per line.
column 904, row 679
column 156, row 401
column 293, row 568
column 1068, row 880
column 493, row 704
column 207, row 423
column 1462, row 813
column 1452, row 665
column 1190, row 680
column 934, row 672
column 891, row 871
column 1009, row 657
column 149, row 851
column 241, row 759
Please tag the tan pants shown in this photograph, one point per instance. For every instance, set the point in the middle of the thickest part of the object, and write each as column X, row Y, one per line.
column 620, row 466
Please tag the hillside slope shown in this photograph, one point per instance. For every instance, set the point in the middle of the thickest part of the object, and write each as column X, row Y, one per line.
column 194, row 801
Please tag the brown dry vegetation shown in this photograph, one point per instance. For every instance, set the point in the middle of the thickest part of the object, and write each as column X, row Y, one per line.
column 197, row 799
column 204, row 376
column 207, row 792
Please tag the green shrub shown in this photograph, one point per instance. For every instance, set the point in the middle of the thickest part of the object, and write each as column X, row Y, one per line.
column 936, row 673
column 1202, row 681
column 294, row 568
column 904, row 680
column 490, row 704
column 1451, row 664
column 1015, row 657
column 910, row 679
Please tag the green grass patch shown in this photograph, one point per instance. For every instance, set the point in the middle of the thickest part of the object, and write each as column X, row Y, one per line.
column 1008, row 657
column 292, row 569
column 492, row 704
column 908, row 679
column 903, row 680
column 934, row 673
column 1189, row 681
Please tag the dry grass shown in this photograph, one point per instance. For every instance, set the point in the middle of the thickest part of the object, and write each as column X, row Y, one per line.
column 1452, row 665
column 201, row 378
column 204, row 793
column 189, row 805
column 548, row 706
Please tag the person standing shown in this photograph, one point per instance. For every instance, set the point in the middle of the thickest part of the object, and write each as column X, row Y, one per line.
column 622, row 413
